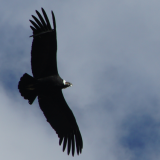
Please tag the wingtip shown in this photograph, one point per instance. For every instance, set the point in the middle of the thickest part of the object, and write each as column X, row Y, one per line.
column 42, row 19
column 42, row 9
column 64, row 143
column 54, row 20
column 69, row 145
column 33, row 29
column 37, row 12
column 46, row 19
column 73, row 144
column 60, row 140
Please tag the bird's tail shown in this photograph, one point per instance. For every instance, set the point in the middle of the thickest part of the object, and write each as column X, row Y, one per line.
column 27, row 88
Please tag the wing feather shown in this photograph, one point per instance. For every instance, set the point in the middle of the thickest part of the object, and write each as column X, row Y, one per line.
column 73, row 145
column 38, row 22
column 33, row 29
column 42, row 20
column 60, row 140
column 46, row 18
column 64, row 143
column 69, row 144
column 36, row 26
column 54, row 21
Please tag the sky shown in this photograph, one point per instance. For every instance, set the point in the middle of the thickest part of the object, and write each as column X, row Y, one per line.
column 110, row 52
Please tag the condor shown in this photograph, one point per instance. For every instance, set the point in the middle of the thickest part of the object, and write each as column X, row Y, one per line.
column 47, row 84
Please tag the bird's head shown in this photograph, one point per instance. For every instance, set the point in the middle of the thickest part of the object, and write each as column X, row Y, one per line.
column 67, row 84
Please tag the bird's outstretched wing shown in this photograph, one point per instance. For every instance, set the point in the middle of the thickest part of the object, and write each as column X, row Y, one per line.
column 44, row 46
column 62, row 120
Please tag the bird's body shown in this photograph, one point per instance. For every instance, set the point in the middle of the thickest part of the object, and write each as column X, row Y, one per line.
column 47, row 84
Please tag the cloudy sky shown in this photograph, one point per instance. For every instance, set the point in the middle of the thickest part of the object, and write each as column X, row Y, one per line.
column 110, row 51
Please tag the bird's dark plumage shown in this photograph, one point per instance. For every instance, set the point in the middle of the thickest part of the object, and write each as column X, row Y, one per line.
column 47, row 84
column 44, row 47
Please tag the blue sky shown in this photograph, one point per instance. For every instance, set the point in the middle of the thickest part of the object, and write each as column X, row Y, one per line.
column 110, row 51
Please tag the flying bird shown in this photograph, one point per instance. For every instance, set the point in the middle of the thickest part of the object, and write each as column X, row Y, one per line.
column 47, row 85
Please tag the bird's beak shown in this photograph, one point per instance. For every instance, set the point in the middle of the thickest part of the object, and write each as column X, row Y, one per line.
column 68, row 84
